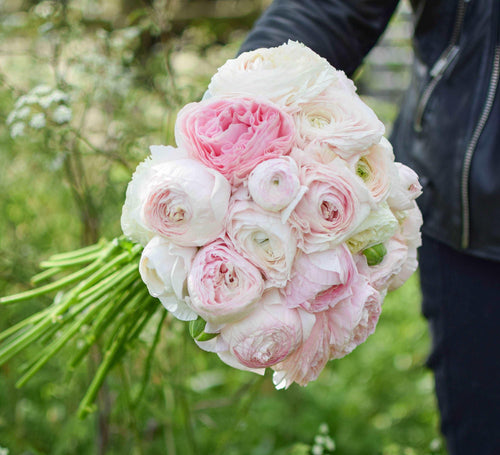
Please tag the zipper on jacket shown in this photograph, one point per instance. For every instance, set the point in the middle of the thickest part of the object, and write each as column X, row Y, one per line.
column 492, row 88
column 442, row 63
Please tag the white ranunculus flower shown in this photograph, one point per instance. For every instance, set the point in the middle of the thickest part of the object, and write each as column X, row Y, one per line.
column 405, row 188
column 164, row 268
column 263, row 238
column 180, row 199
column 341, row 120
column 378, row 227
column 274, row 185
column 288, row 75
column 377, row 169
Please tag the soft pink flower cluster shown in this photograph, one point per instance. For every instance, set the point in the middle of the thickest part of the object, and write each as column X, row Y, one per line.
column 281, row 218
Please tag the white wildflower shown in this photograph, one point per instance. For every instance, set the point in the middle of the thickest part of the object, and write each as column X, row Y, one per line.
column 62, row 114
column 17, row 129
column 38, row 121
column 41, row 90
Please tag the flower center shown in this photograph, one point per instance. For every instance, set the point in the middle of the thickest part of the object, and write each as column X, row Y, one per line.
column 176, row 214
column 328, row 211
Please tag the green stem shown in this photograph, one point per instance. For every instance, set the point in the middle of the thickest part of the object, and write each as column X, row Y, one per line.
column 110, row 356
column 111, row 281
column 103, row 321
column 22, row 324
column 58, row 344
column 70, row 262
column 149, row 361
column 80, row 252
column 46, row 274
column 42, row 290
column 63, row 282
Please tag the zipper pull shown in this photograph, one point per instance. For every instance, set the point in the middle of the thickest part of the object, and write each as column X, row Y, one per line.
column 443, row 63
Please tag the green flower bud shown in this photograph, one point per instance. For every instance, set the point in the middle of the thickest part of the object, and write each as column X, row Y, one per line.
column 196, row 330
column 375, row 254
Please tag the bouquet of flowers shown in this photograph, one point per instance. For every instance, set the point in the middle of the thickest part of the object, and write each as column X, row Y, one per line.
column 276, row 227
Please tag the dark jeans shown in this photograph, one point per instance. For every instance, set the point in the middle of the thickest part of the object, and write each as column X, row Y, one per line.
column 461, row 300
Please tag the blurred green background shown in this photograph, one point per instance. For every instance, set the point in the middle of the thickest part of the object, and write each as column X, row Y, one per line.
column 85, row 88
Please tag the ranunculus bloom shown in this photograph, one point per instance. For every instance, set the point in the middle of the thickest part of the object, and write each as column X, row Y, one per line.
column 405, row 188
column 333, row 207
column 266, row 336
column 164, row 268
column 185, row 202
column 132, row 225
column 288, row 75
column 274, row 185
column 341, row 120
column 223, row 285
column 307, row 362
column 175, row 197
column 233, row 136
column 263, row 239
column 320, row 280
column 377, row 169
column 352, row 321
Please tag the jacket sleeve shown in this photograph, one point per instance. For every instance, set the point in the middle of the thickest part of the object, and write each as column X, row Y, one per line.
column 342, row 31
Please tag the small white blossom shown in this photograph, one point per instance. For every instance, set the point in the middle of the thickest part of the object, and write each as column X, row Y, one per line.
column 38, row 121
column 17, row 129
column 44, row 9
column 62, row 114
column 25, row 99
column 41, row 90
column 56, row 96
column 4, row 451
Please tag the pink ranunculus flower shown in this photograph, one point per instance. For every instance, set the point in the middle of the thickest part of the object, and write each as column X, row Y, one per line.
column 320, row 280
column 288, row 75
column 164, row 268
column 353, row 320
column 263, row 239
column 405, row 188
column 341, row 120
column 185, row 202
column 223, row 286
column 377, row 169
column 233, row 135
column 274, row 185
column 307, row 362
column 333, row 207
column 131, row 222
column 266, row 336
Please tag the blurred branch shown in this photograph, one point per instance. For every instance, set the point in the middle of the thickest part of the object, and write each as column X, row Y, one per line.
column 98, row 151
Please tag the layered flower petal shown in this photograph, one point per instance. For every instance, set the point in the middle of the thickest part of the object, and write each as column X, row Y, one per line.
column 334, row 206
column 223, row 285
column 288, row 75
column 266, row 336
column 164, row 268
column 185, row 202
column 263, row 238
column 233, row 136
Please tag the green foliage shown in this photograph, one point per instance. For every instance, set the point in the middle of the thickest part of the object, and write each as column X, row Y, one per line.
column 123, row 70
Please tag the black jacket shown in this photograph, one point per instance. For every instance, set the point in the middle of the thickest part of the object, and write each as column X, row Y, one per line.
column 448, row 129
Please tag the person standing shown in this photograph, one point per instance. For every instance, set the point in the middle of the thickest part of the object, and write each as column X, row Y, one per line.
column 448, row 131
